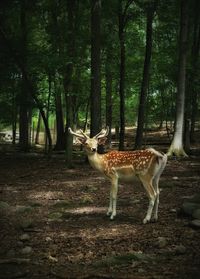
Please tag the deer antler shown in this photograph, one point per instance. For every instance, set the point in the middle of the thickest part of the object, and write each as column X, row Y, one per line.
column 103, row 133
column 82, row 135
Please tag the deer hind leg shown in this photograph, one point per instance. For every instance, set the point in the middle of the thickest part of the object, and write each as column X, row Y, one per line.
column 152, row 195
column 156, row 179
column 113, row 198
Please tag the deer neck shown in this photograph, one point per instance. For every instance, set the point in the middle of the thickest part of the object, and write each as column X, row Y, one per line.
column 95, row 160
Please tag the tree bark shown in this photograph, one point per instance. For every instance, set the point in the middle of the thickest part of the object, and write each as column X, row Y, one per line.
column 23, row 108
column 37, row 135
column 145, row 78
column 60, row 135
column 193, row 86
column 14, row 118
column 48, row 108
column 95, row 106
column 121, row 31
column 71, row 9
column 57, row 51
column 176, row 146
column 109, row 80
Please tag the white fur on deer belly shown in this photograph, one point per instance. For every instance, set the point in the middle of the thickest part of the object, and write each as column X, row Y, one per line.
column 126, row 173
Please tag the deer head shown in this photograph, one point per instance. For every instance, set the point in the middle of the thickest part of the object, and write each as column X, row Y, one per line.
column 91, row 144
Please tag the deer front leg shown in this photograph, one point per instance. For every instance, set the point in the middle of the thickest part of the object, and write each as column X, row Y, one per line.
column 113, row 198
column 110, row 208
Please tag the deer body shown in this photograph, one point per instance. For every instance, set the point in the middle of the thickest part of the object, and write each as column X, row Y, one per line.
column 147, row 165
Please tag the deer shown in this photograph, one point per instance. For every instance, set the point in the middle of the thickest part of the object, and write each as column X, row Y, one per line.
column 147, row 165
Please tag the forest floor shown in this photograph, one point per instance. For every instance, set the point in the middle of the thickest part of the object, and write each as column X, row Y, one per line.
column 53, row 222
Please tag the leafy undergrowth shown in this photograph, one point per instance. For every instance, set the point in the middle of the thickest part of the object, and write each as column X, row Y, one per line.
column 53, row 223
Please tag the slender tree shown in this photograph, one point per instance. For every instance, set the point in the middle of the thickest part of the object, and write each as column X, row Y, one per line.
column 23, row 108
column 109, row 84
column 57, row 50
column 122, row 22
column 67, row 76
column 194, row 74
column 60, row 135
column 95, row 105
column 150, row 10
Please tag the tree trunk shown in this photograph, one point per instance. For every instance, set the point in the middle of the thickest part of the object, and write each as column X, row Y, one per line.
column 47, row 110
column 121, row 92
column 14, row 118
column 69, row 138
column 86, row 115
column 121, row 32
column 108, row 78
column 37, row 135
column 95, row 105
column 145, row 79
column 23, row 109
column 71, row 9
column 57, row 51
column 177, row 142
column 60, row 135
column 193, row 86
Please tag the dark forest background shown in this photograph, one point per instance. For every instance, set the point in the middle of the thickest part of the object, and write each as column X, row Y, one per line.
column 90, row 64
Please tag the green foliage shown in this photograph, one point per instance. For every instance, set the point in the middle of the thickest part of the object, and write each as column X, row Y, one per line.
column 48, row 56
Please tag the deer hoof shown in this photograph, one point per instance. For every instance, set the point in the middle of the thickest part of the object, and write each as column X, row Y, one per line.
column 146, row 221
column 112, row 217
column 109, row 213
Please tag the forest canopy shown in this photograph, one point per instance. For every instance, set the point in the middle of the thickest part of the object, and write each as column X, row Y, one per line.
column 91, row 64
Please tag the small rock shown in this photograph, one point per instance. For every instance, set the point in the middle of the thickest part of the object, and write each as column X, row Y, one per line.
column 195, row 223
column 175, row 177
column 196, row 214
column 189, row 207
column 24, row 237
column 161, row 242
column 26, row 250
column 180, row 249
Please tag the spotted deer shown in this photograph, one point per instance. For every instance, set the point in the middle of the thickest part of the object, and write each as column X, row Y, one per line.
column 147, row 165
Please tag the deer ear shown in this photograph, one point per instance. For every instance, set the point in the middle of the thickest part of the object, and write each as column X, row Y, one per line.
column 102, row 141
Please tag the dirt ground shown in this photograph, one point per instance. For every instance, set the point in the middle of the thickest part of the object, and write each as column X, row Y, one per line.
column 54, row 225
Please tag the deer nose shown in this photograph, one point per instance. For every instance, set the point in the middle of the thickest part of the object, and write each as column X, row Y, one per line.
column 93, row 149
